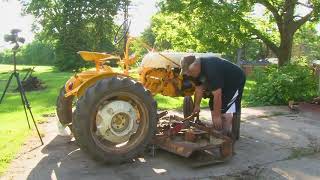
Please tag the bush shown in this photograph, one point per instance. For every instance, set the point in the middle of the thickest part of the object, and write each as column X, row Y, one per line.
column 277, row 86
column 67, row 59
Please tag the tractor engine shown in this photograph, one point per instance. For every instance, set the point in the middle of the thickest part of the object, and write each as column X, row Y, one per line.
column 160, row 73
column 167, row 82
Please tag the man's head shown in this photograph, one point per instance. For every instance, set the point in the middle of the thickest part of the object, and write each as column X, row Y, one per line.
column 190, row 66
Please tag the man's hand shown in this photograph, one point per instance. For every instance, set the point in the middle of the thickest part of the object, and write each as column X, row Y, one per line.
column 217, row 122
column 196, row 109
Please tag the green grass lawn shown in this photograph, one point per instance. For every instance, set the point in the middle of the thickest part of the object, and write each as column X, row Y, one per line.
column 14, row 129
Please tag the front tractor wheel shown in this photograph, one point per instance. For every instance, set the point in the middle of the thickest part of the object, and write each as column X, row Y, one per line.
column 115, row 120
column 64, row 107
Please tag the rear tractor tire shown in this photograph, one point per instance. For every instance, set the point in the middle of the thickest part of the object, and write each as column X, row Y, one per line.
column 115, row 120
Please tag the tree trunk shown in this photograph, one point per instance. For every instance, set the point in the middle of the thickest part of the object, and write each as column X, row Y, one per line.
column 239, row 55
column 285, row 49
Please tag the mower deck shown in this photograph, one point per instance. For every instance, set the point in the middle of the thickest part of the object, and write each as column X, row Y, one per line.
column 193, row 140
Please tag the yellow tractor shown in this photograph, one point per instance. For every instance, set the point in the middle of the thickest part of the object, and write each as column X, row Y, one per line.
column 114, row 116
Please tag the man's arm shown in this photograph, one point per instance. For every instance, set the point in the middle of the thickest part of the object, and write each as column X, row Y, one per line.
column 217, row 104
column 198, row 93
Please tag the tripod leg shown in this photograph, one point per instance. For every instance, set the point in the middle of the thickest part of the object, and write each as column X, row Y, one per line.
column 35, row 124
column 6, row 88
column 25, row 100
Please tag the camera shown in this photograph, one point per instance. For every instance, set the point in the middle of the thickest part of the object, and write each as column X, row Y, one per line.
column 13, row 37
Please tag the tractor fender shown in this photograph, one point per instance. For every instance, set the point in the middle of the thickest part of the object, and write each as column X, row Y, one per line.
column 80, row 90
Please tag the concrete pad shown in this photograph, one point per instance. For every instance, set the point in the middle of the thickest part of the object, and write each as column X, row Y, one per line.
column 255, row 112
column 309, row 110
column 306, row 168
column 267, row 139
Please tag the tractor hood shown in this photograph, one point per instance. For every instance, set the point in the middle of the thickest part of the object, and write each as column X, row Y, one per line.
column 172, row 59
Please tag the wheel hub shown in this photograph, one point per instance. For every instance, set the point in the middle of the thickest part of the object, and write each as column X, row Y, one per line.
column 116, row 121
column 120, row 122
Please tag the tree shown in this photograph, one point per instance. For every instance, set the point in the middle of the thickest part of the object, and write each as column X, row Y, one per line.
column 37, row 53
column 190, row 25
column 232, row 21
column 140, row 45
column 254, row 50
column 148, row 37
column 307, row 42
column 288, row 21
column 34, row 53
column 74, row 25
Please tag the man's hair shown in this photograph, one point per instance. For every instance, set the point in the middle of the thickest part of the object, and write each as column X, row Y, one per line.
column 186, row 62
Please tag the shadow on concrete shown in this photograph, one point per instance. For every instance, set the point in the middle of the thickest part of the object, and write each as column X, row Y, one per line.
column 57, row 151
column 62, row 159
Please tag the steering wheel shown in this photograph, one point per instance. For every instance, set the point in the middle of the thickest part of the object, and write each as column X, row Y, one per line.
column 122, row 31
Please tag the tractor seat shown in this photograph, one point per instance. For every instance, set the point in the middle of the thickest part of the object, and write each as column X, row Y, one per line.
column 97, row 56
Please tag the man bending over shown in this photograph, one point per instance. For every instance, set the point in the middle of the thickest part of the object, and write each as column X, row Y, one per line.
column 221, row 81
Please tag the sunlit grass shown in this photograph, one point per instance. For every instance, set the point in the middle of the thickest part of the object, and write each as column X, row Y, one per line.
column 14, row 129
column 247, row 90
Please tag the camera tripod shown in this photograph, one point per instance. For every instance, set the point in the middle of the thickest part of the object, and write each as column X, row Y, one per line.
column 24, row 100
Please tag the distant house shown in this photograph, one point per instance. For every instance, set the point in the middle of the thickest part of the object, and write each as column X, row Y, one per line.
column 248, row 66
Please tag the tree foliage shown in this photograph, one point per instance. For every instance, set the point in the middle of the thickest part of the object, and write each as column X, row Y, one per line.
column 35, row 53
column 307, row 43
column 223, row 26
column 141, row 45
column 197, row 25
column 74, row 25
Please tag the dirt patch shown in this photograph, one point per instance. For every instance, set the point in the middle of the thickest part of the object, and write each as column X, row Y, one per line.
column 32, row 83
